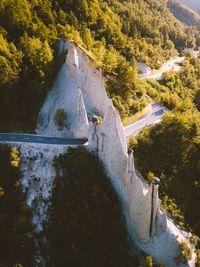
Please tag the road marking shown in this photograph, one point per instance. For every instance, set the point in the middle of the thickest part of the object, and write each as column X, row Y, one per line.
column 140, row 120
column 156, row 118
column 10, row 138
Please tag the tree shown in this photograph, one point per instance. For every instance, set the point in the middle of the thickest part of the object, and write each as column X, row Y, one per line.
column 110, row 60
column 17, row 244
column 87, row 229
column 60, row 118
column 10, row 61
column 15, row 15
column 171, row 151
column 37, row 53
column 15, row 157
column 197, row 100
column 87, row 38
column 149, row 261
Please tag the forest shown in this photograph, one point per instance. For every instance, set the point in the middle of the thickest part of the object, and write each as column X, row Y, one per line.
column 171, row 150
column 184, row 14
column 116, row 33
column 88, row 228
column 17, row 247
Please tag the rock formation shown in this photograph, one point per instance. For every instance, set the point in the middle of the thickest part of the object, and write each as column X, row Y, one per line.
column 79, row 90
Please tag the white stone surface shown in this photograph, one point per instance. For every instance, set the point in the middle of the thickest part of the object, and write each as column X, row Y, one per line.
column 170, row 65
column 76, row 77
column 37, row 178
column 79, row 90
column 143, row 68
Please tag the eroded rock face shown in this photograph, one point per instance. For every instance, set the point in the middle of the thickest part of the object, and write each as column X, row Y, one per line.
column 74, row 91
column 37, row 178
column 37, row 182
column 79, row 90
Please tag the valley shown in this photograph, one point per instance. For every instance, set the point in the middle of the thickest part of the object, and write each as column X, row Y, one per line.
column 77, row 187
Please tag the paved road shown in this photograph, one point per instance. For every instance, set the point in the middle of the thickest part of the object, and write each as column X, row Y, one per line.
column 172, row 64
column 154, row 116
column 31, row 138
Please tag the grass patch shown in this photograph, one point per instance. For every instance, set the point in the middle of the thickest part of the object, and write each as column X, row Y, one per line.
column 17, row 126
column 138, row 115
column 184, row 253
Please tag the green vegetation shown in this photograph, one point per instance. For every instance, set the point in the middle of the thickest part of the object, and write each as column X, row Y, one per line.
column 87, row 229
column 60, row 118
column 178, row 91
column 150, row 262
column 171, row 150
column 136, row 116
column 173, row 209
column 186, row 15
column 116, row 34
column 17, row 245
column 184, row 253
column 198, row 258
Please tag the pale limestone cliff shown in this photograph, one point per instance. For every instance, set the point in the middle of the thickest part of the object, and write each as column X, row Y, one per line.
column 79, row 90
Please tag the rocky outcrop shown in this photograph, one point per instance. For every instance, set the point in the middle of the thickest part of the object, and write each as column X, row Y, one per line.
column 79, row 90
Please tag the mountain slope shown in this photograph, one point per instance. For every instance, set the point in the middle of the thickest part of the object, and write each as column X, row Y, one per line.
column 115, row 34
column 184, row 13
column 194, row 4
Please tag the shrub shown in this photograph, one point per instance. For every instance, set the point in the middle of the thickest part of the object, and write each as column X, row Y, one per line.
column 173, row 209
column 17, row 244
column 60, row 118
column 149, row 261
column 150, row 176
column 184, row 253
column 132, row 142
column 87, row 229
column 198, row 258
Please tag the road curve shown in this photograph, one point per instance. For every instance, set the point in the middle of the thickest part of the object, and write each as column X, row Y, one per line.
column 33, row 138
column 153, row 117
column 172, row 64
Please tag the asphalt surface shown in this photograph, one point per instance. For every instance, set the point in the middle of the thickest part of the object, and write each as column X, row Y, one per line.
column 172, row 64
column 153, row 117
column 31, row 138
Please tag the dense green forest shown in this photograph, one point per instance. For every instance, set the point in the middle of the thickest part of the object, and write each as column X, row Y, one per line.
column 171, row 150
column 17, row 246
column 87, row 229
column 185, row 14
column 116, row 32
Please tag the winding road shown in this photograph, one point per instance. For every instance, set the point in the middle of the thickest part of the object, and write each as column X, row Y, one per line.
column 153, row 117
column 172, row 64
column 33, row 138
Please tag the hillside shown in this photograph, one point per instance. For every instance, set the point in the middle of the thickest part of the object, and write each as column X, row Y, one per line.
column 115, row 34
column 67, row 211
column 184, row 13
column 96, row 235
column 194, row 4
